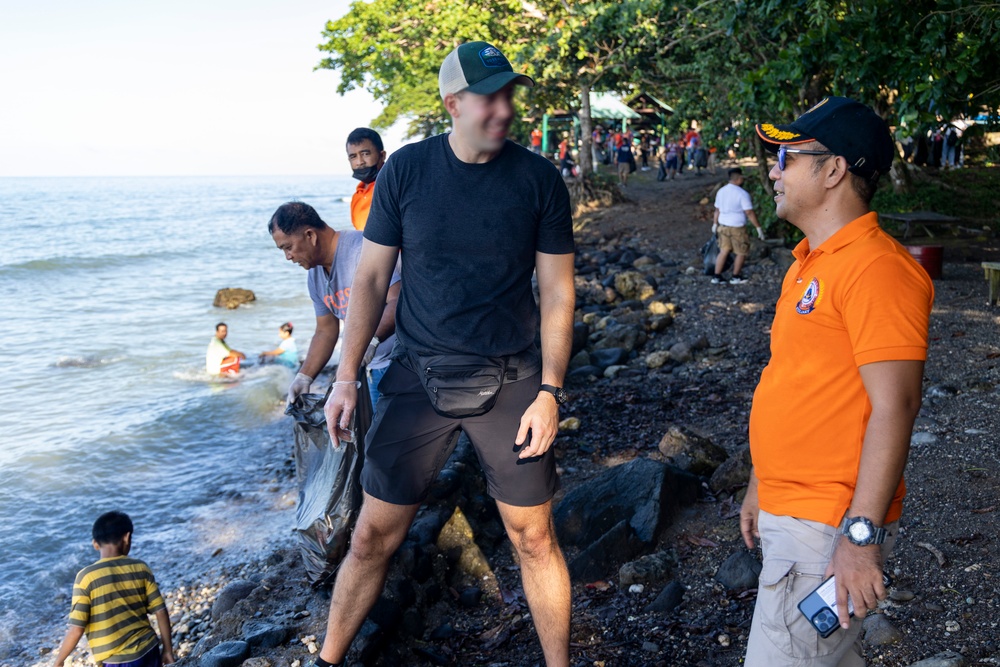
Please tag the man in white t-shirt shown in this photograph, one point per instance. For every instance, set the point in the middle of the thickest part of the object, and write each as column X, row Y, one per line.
column 732, row 209
column 220, row 359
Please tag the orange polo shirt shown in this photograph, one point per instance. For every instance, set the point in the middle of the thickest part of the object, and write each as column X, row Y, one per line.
column 857, row 299
column 361, row 204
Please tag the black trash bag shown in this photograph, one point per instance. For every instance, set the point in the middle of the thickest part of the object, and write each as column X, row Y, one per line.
column 329, row 483
column 701, row 158
column 710, row 253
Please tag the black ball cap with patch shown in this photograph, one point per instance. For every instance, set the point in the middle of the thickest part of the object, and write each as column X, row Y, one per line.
column 478, row 67
column 846, row 127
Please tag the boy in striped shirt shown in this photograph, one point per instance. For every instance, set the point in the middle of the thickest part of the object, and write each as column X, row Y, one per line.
column 112, row 600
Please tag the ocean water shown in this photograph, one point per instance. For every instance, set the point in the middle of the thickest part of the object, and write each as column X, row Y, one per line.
column 106, row 290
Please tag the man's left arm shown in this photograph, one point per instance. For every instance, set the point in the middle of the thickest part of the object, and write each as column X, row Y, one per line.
column 557, row 301
column 894, row 389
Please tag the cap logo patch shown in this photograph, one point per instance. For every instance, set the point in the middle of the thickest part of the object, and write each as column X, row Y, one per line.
column 492, row 57
column 818, row 105
column 778, row 135
column 810, row 298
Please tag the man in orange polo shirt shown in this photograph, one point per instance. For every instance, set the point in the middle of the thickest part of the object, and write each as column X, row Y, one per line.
column 367, row 156
column 833, row 412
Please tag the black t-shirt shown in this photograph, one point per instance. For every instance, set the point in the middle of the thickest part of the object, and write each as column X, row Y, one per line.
column 468, row 234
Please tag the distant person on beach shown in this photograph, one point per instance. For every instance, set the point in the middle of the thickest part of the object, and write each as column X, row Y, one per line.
column 112, row 600
column 220, row 359
column 673, row 155
column 733, row 207
column 366, row 155
column 475, row 215
column 623, row 158
column 331, row 258
column 536, row 141
column 286, row 354
column 834, row 409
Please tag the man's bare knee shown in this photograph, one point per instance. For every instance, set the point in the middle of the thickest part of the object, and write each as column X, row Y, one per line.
column 534, row 542
column 368, row 544
column 380, row 530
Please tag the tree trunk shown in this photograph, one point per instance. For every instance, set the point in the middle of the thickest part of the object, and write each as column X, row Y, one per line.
column 586, row 130
column 761, row 154
column 899, row 175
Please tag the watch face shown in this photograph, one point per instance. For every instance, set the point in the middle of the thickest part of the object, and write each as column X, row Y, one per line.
column 859, row 532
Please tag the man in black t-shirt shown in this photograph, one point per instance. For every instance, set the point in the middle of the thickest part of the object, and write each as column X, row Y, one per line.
column 475, row 215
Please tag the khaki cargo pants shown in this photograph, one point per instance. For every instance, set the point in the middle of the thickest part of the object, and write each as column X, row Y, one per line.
column 796, row 553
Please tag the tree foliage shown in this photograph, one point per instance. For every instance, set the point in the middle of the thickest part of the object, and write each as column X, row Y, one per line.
column 393, row 49
column 723, row 61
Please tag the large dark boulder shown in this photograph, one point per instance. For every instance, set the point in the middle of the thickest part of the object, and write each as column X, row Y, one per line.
column 740, row 571
column 233, row 297
column 230, row 595
column 734, row 471
column 669, row 598
column 226, row 654
column 264, row 634
column 691, row 451
column 642, row 492
column 611, row 356
column 615, row 546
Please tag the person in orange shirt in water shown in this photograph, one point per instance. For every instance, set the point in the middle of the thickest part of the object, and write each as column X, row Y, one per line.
column 367, row 156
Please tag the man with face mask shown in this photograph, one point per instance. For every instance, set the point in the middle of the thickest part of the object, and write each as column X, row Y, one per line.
column 366, row 155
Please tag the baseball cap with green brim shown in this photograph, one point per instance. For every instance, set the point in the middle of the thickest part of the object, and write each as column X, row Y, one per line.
column 846, row 127
column 479, row 68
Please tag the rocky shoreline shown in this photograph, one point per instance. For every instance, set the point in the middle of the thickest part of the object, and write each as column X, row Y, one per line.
column 653, row 460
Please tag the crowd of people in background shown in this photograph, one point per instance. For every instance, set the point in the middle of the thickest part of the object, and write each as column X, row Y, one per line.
column 626, row 150
column 942, row 147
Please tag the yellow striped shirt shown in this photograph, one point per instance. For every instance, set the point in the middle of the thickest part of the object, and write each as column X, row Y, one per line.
column 111, row 601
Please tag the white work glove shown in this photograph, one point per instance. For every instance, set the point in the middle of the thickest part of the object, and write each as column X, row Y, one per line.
column 715, row 227
column 370, row 352
column 300, row 385
column 760, row 233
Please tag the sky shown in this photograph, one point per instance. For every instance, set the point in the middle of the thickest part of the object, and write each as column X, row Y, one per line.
column 187, row 87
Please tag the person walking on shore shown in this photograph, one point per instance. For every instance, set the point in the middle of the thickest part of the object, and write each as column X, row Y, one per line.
column 366, row 155
column 466, row 309
column 833, row 411
column 331, row 258
column 733, row 207
column 623, row 158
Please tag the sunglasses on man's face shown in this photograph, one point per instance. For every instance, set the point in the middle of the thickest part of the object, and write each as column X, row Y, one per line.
column 783, row 151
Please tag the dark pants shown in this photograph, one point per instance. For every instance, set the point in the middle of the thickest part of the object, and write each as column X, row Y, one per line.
column 151, row 659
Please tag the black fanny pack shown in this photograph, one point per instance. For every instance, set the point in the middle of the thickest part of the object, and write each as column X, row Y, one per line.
column 462, row 385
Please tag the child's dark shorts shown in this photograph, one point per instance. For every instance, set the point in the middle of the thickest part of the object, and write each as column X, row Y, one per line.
column 408, row 444
column 151, row 659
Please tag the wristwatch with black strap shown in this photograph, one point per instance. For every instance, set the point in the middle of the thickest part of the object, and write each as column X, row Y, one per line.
column 560, row 394
column 862, row 531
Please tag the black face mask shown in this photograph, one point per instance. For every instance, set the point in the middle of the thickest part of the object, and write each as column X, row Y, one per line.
column 366, row 175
